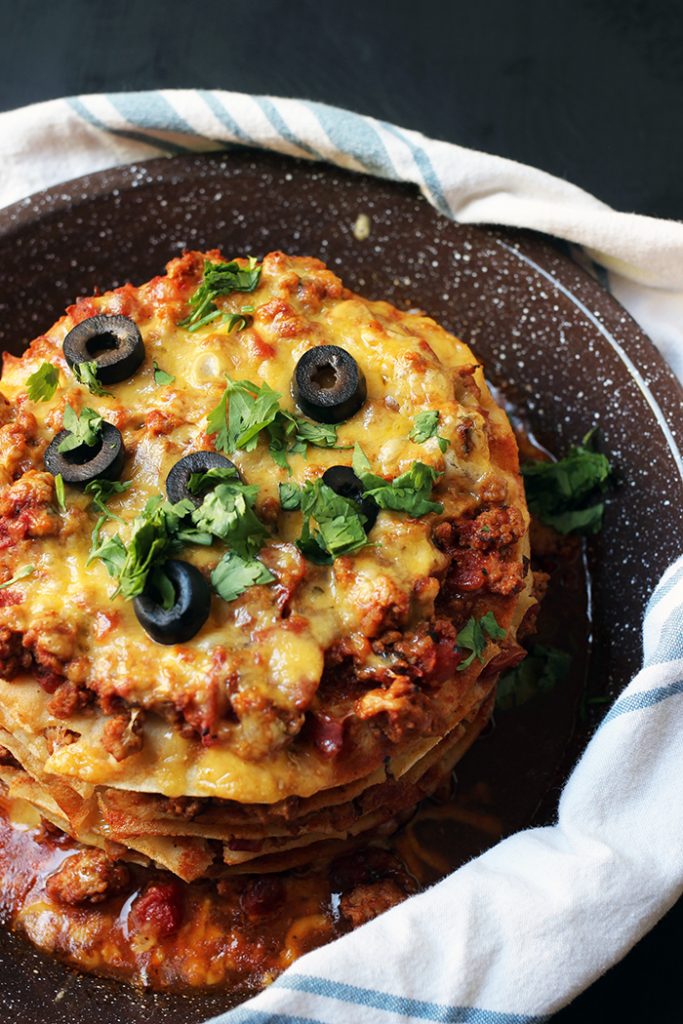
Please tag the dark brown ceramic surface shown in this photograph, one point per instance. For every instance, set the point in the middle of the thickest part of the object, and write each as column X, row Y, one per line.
column 544, row 329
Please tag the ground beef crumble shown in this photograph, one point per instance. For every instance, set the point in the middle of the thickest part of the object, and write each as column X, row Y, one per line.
column 87, row 877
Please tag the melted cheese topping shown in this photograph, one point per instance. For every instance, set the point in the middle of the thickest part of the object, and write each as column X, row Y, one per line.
column 267, row 667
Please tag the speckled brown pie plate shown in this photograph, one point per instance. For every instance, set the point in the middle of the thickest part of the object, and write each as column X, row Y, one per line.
column 545, row 330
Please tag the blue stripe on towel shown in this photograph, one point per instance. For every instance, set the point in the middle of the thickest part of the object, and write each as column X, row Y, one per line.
column 166, row 147
column 665, row 588
column 281, row 126
column 150, row 110
column 354, row 135
column 429, row 175
column 242, row 1015
column 227, row 120
column 641, row 701
column 418, row 1008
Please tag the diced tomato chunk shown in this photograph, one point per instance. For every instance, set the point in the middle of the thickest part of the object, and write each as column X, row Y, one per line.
column 159, row 909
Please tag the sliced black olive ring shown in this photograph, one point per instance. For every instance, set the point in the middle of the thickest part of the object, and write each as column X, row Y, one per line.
column 189, row 613
column 113, row 342
column 102, row 461
column 342, row 480
column 328, row 384
column 196, row 462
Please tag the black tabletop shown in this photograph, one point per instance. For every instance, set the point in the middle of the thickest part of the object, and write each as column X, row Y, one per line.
column 591, row 90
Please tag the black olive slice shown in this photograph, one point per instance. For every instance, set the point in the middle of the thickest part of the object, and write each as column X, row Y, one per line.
column 113, row 342
column 342, row 480
column 196, row 462
column 328, row 384
column 103, row 461
column 189, row 613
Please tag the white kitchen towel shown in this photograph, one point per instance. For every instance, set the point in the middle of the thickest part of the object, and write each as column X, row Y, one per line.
column 46, row 143
column 516, row 933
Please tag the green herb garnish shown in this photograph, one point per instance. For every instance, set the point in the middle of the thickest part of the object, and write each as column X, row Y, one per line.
column 219, row 279
column 43, row 383
column 410, row 492
column 20, row 574
column 198, row 482
column 162, row 528
column 86, row 374
column 156, row 533
column 234, row 574
column 250, row 411
column 160, row 582
column 154, row 536
column 60, row 494
column 290, row 435
column 290, row 497
column 322, row 435
column 246, row 409
column 111, row 551
column 160, row 376
column 84, row 429
column 340, row 524
column 473, row 637
column 566, row 494
column 227, row 512
column 239, row 321
column 102, row 490
column 426, row 426
column 542, row 669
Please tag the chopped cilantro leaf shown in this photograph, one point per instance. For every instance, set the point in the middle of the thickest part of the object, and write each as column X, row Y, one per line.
column 362, row 467
column 162, row 528
column 234, row 574
column 290, row 497
column 228, row 512
column 340, row 524
column 152, row 540
column 246, row 409
column 239, row 321
column 60, row 493
column 198, row 482
column 567, row 494
column 542, row 669
column 472, row 637
column 426, row 426
column 219, row 279
column 20, row 574
column 86, row 374
column 410, row 492
column 85, row 429
column 216, row 423
column 102, row 490
column 250, row 411
column 322, row 435
column 491, row 626
column 202, row 322
column 111, row 551
column 43, row 383
column 161, row 584
column 160, row 376
column 156, row 533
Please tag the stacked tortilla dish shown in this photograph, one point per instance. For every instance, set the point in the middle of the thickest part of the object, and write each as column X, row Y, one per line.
column 263, row 554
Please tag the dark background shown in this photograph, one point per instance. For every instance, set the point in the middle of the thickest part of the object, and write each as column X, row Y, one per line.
column 591, row 90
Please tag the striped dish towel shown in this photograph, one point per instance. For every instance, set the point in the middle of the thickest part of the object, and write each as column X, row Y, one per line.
column 516, row 933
